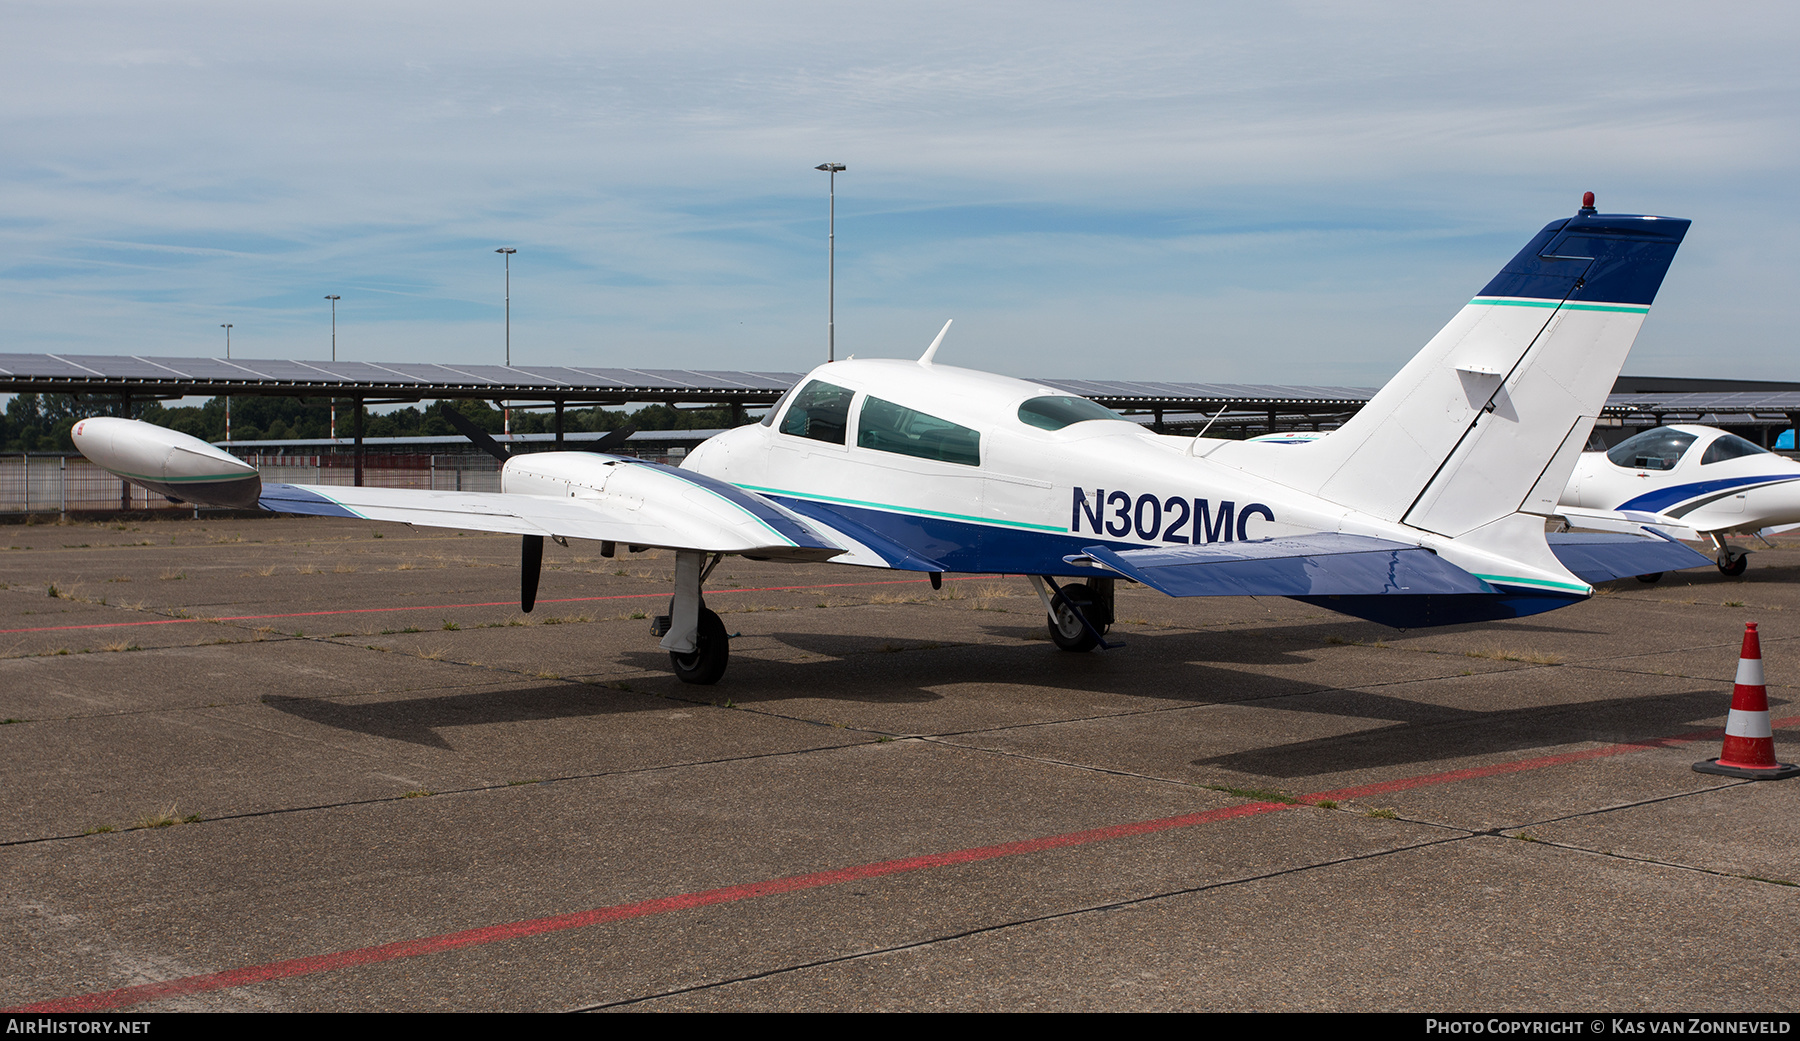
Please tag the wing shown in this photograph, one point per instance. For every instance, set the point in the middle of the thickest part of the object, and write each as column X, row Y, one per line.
column 1326, row 564
column 686, row 516
column 573, row 495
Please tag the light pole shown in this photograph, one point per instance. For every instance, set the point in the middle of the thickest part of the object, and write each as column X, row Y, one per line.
column 831, row 264
column 227, row 327
column 334, row 298
column 505, row 409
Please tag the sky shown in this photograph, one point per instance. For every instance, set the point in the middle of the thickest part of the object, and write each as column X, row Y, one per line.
column 1294, row 193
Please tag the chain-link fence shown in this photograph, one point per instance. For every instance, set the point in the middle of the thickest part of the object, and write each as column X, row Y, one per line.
column 46, row 483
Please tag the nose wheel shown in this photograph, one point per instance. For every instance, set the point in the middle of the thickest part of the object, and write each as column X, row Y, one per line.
column 1732, row 560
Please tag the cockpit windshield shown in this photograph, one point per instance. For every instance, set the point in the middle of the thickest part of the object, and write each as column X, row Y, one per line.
column 1658, row 449
column 1054, row 413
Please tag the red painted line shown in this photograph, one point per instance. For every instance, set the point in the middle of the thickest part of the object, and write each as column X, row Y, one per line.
column 126, row 996
column 491, row 603
column 686, row 901
column 1405, row 783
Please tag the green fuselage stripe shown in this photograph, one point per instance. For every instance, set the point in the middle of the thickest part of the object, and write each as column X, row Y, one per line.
column 185, row 480
column 1513, row 580
column 1625, row 308
column 907, row 509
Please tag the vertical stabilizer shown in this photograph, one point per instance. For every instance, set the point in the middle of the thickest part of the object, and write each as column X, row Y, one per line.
column 1488, row 419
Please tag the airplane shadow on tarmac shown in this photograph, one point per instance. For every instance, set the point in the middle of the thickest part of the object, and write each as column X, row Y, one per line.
column 1183, row 667
column 1426, row 733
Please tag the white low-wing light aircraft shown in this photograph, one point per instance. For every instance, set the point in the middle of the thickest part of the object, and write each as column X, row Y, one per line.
column 1426, row 508
column 1691, row 482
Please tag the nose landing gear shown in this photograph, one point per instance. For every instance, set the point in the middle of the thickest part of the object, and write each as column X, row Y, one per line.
column 1732, row 560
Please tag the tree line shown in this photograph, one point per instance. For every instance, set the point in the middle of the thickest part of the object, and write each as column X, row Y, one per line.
column 41, row 422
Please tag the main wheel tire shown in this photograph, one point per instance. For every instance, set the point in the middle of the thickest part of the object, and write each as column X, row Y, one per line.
column 1732, row 567
column 1066, row 628
column 712, row 650
column 1651, row 579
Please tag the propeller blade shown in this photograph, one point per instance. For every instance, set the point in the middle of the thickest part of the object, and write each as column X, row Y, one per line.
column 531, row 564
column 467, row 428
column 613, row 440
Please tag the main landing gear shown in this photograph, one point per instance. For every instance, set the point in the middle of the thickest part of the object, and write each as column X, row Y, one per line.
column 1732, row 560
column 1080, row 613
column 698, row 646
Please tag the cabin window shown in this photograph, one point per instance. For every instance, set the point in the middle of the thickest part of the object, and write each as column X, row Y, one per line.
column 1730, row 446
column 887, row 427
column 820, row 411
column 1054, row 413
column 1658, row 449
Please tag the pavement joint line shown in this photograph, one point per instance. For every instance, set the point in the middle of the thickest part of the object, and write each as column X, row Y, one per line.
column 1671, row 865
column 996, row 927
column 308, row 965
column 478, row 789
column 1722, row 785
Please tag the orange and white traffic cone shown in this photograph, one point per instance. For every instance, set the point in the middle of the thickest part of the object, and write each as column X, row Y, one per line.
column 1749, row 750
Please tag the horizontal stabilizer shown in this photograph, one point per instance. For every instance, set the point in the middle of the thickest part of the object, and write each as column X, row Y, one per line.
column 1603, row 556
column 1625, row 522
column 1327, row 564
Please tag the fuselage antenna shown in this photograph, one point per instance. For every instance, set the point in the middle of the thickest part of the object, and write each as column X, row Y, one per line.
column 931, row 351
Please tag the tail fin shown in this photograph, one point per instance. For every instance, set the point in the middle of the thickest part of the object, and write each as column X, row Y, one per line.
column 1489, row 418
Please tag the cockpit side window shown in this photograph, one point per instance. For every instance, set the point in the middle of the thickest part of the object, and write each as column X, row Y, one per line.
column 887, row 427
column 1730, row 446
column 1658, row 449
column 820, row 411
column 1056, row 412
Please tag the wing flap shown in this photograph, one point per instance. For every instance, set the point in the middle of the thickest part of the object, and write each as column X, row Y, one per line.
column 1326, row 564
column 1596, row 556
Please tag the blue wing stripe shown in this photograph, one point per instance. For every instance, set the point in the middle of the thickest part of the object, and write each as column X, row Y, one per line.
column 751, row 503
column 285, row 498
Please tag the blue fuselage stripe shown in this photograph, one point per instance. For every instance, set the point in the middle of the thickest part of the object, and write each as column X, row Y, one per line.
column 1660, row 500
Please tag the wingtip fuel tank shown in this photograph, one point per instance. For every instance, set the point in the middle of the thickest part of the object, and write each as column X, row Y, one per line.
column 169, row 463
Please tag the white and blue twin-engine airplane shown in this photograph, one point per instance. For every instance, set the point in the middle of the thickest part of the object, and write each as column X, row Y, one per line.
column 1429, row 507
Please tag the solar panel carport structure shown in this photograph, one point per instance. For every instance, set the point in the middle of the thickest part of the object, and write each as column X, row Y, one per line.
column 1176, row 406
column 128, row 378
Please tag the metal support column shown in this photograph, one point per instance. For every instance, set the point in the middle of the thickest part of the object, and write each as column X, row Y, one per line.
column 359, row 442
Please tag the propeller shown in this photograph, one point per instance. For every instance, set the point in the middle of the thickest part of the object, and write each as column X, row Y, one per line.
column 531, row 564
column 531, row 549
column 614, row 439
column 467, row 428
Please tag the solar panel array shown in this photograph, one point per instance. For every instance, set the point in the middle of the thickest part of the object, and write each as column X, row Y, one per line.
column 29, row 371
column 87, row 373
